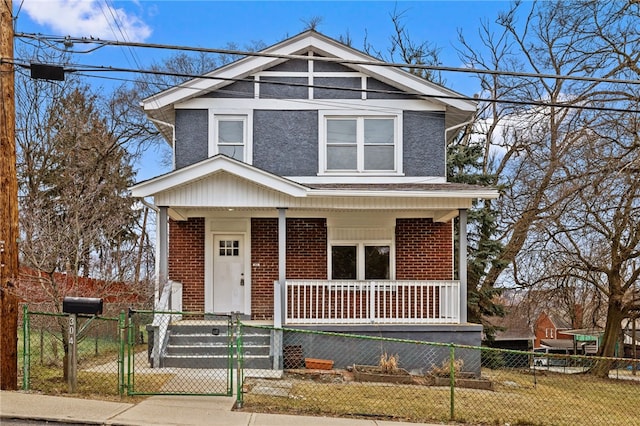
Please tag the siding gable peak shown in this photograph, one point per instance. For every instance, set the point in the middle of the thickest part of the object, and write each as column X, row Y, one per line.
column 211, row 166
column 297, row 48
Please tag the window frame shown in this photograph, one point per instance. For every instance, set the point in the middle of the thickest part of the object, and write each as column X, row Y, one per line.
column 360, row 257
column 360, row 117
column 215, row 117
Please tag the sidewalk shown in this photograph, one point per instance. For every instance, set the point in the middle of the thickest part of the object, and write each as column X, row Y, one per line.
column 156, row 410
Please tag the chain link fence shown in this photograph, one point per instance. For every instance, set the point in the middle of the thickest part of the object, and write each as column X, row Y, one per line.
column 330, row 374
column 347, row 375
column 44, row 354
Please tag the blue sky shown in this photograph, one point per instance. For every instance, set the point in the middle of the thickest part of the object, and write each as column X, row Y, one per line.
column 213, row 24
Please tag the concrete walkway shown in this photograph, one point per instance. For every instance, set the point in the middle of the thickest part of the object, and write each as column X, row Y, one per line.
column 156, row 410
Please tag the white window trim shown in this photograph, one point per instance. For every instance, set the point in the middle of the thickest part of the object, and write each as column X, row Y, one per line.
column 323, row 115
column 360, row 245
column 246, row 116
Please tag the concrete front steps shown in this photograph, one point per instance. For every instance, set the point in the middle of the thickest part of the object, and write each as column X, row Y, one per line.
column 209, row 346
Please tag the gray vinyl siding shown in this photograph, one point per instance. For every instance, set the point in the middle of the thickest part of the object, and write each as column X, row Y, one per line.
column 382, row 90
column 352, row 84
column 286, row 142
column 423, row 143
column 238, row 89
column 284, row 89
column 192, row 133
column 322, row 66
column 292, row 65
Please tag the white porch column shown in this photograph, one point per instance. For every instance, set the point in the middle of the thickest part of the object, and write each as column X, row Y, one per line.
column 282, row 261
column 163, row 251
column 281, row 288
column 282, row 244
column 462, row 263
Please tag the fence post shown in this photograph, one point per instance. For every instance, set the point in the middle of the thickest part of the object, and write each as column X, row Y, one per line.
column 240, row 364
column 452, row 380
column 72, row 380
column 121, row 346
column 26, row 353
column 130, row 352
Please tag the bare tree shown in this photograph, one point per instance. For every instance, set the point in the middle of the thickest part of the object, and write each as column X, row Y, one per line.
column 548, row 155
column 76, row 215
column 312, row 23
column 406, row 50
column 597, row 238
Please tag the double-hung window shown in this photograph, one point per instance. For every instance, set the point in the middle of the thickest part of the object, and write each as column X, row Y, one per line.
column 230, row 136
column 361, row 261
column 361, row 144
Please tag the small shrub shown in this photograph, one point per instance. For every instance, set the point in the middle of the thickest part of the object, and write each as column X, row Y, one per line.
column 445, row 369
column 389, row 363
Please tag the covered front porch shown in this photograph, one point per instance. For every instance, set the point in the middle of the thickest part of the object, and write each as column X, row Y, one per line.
column 317, row 302
column 235, row 230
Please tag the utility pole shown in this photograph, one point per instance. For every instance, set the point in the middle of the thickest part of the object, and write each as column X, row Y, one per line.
column 8, row 206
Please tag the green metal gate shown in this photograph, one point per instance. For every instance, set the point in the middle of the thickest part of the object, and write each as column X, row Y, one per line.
column 179, row 353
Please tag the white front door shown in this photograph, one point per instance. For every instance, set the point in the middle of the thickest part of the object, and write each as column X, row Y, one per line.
column 228, row 273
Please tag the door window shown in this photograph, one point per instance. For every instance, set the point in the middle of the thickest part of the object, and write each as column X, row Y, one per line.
column 229, row 248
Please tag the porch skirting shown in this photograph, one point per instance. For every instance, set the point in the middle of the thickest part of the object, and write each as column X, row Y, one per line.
column 420, row 358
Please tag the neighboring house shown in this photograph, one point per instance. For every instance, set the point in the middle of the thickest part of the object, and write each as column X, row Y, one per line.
column 309, row 189
column 549, row 330
column 513, row 331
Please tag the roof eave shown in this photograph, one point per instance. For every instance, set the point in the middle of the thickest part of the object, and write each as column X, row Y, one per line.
column 486, row 194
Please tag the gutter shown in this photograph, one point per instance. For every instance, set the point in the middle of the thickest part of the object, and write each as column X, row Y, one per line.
column 173, row 139
column 149, row 205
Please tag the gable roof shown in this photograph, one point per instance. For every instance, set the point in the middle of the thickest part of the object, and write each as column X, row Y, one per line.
column 160, row 106
column 557, row 320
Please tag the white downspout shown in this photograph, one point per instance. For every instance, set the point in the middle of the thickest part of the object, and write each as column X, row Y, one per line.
column 447, row 130
column 462, row 243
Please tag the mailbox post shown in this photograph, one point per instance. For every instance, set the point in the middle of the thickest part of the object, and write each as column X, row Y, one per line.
column 74, row 306
column 72, row 368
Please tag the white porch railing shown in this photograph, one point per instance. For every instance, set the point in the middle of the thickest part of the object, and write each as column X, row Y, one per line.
column 368, row 302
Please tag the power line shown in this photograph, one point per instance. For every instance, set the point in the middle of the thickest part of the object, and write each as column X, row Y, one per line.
column 99, row 68
column 66, row 40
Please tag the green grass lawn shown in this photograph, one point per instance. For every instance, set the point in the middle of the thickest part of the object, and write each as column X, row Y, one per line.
column 518, row 398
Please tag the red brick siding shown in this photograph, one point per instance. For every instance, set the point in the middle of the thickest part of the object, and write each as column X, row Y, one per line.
column 306, row 257
column 423, row 250
column 186, row 261
column 264, row 266
column 306, row 249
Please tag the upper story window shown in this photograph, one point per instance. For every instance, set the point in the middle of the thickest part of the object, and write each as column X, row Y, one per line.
column 230, row 136
column 360, row 144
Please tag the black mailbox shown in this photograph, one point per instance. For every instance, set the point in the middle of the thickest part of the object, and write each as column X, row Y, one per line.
column 82, row 305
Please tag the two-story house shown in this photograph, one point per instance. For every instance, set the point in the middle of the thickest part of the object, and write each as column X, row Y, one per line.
column 309, row 189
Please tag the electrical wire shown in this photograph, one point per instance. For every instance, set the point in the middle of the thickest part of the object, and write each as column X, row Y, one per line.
column 97, row 68
column 74, row 40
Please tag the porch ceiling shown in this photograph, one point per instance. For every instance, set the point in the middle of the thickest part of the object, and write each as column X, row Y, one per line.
column 183, row 213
